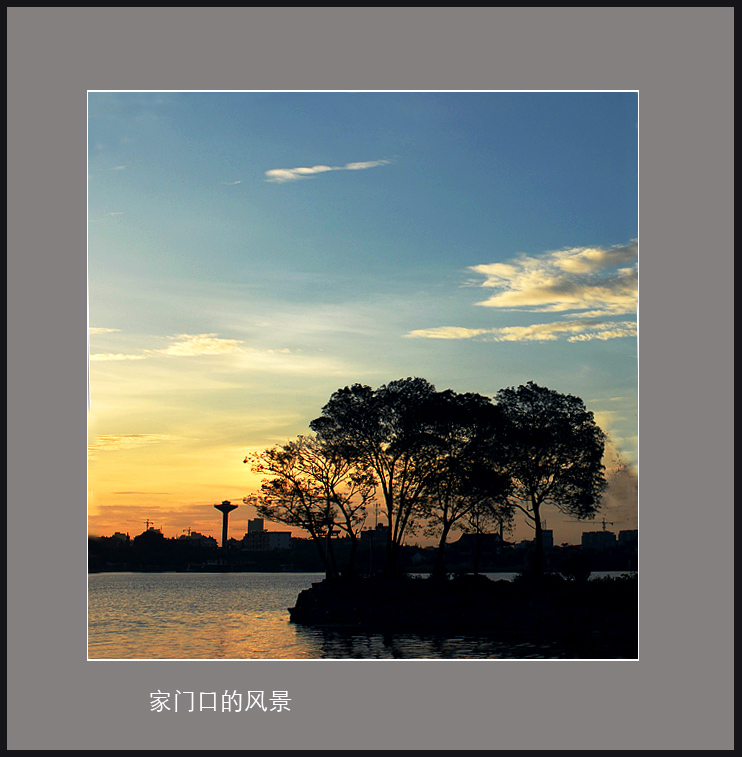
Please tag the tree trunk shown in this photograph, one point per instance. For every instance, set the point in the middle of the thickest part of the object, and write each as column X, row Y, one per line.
column 389, row 556
column 331, row 557
column 439, row 567
column 351, row 568
column 390, row 563
column 538, row 554
column 477, row 550
column 323, row 556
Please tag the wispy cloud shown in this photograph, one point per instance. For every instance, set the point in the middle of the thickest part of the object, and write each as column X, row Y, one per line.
column 596, row 281
column 101, row 357
column 127, row 441
column 193, row 345
column 282, row 175
column 184, row 345
column 447, row 332
column 279, row 360
column 113, row 442
column 574, row 331
column 591, row 286
column 101, row 330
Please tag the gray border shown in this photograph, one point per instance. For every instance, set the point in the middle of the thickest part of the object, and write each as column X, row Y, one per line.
column 680, row 695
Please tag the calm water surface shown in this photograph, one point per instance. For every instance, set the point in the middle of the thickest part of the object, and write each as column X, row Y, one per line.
column 244, row 616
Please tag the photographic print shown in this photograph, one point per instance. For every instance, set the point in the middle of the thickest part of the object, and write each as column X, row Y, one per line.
column 363, row 375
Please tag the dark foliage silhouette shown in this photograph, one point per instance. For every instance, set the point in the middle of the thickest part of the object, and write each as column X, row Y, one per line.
column 439, row 461
column 468, row 479
column 311, row 485
column 388, row 432
column 553, row 450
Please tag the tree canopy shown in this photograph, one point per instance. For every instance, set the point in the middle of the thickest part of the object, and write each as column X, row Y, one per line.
column 553, row 451
column 310, row 485
column 439, row 460
column 468, row 477
column 387, row 431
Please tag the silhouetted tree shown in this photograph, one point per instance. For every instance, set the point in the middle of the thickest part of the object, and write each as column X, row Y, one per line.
column 553, row 450
column 488, row 514
column 344, row 483
column 312, row 486
column 387, row 431
column 151, row 548
column 466, row 430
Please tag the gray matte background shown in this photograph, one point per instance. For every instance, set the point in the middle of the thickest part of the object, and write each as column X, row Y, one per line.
column 680, row 694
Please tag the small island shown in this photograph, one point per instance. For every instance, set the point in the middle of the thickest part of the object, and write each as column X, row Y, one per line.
column 440, row 462
column 592, row 619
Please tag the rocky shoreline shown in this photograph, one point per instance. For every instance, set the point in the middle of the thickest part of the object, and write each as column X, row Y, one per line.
column 599, row 616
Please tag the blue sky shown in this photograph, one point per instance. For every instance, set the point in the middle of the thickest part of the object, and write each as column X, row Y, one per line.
column 251, row 252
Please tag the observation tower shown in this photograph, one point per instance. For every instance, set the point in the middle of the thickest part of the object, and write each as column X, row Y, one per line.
column 226, row 508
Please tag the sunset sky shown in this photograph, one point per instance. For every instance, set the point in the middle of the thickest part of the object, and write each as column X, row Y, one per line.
column 251, row 252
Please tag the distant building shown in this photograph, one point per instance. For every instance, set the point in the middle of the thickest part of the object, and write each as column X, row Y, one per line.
column 119, row 537
column 378, row 534
column 199, row 539
column 628, row 537
column 265, row 541
column 547, row 540
column 257, row 539
column 254, row 525
column 486, row 543
column 598, row 539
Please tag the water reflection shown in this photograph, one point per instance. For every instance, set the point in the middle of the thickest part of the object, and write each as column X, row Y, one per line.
column 194, row 616
column 244, row 616
column 338, row 644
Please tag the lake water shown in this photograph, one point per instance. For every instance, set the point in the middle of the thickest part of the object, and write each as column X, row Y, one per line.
column 244, row 616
